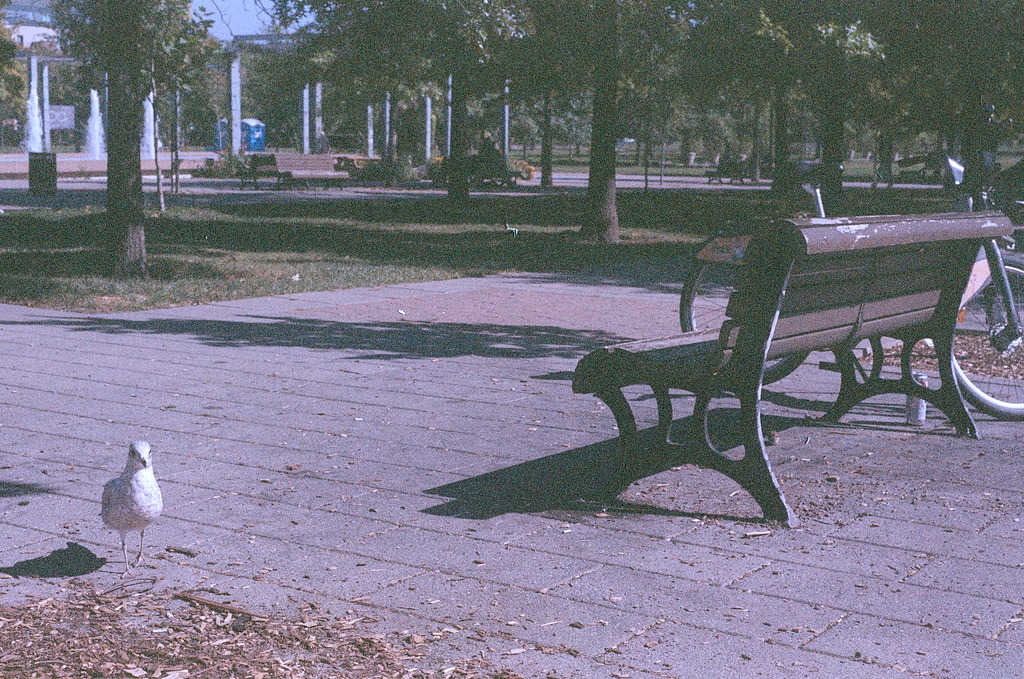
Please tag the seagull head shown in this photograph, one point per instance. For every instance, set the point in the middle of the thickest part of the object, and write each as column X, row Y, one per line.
column 138, row 455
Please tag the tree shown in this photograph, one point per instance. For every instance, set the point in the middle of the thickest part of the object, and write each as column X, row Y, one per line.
column 139, row 44
column 947, row 57
column 12, row 82
column 815, row 48
column 602, row 220
column 550, row 63
column 387, row 43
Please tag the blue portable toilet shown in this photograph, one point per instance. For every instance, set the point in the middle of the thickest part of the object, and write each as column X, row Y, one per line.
column 254, row 135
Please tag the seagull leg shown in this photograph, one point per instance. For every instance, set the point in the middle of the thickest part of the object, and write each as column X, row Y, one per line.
column 142, row 540
column 124, row 550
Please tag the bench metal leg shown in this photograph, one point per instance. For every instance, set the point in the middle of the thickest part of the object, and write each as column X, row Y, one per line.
column 855, row 387
column 950, row 399
column 752, row 472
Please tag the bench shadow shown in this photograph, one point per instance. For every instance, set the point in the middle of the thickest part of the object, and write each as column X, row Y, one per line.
column 380, row 340
column 71, row 561
column 587, row 479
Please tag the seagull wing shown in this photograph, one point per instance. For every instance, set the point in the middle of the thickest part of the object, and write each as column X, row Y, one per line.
column 111, row 493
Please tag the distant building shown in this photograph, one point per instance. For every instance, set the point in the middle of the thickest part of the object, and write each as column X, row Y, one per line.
column 30, row 22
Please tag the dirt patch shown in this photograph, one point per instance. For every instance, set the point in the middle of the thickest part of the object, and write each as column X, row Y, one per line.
column 185, row 636
column 974, row 353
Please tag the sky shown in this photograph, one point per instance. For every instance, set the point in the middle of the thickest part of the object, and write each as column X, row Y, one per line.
column 236, row 17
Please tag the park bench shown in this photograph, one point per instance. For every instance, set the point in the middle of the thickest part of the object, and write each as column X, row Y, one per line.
column 805, row 285
column 301, row 167
column 258, row 166
column 733, row 169
column 291, row 168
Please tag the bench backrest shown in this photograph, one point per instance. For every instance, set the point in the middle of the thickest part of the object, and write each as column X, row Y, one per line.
column 834, row 282
column 302, row 162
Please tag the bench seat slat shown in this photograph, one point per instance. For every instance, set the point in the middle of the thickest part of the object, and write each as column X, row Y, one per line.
column 906, row 303
column 810, row 341
column 888, row 324
column 799, row 324
column 669, row 346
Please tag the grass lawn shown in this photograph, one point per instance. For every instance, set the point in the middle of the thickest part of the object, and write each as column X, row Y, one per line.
column 54, row 259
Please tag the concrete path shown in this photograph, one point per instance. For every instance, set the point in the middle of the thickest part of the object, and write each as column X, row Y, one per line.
column 413, row 456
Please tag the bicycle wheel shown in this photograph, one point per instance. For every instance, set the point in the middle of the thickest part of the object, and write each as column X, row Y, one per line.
column 991, row 380
column 702, row 307
column 705, row 295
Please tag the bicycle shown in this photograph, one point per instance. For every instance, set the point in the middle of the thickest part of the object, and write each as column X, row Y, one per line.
column 987, row 345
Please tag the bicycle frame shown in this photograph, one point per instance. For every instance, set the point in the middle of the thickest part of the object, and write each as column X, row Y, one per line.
column 991, row 265
column 1010, row 335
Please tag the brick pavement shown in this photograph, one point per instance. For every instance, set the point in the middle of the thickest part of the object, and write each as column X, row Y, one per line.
column 413, row 454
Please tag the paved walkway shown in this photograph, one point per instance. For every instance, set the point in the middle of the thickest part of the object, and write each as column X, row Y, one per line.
column 413, row 455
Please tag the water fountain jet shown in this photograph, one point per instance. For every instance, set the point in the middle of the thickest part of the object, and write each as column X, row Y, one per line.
column 34, row 124
column 95, row 143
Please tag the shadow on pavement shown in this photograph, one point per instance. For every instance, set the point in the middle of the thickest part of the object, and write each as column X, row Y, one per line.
column 72, row 561
column 14, row 489
column 587, row 479
column 381, row 340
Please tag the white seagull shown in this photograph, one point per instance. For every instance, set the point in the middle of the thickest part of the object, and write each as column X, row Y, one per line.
column 132, row 500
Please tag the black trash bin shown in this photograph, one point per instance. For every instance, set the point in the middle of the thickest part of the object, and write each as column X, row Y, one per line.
column 42, row 173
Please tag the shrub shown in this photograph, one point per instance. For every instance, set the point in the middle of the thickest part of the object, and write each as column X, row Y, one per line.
column 525, row 170
column 224, row 166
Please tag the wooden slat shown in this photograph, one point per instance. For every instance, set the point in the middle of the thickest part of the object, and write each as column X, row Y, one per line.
column 888, row 324
column 861, row 233
column 667, row 343
column 893, row 306
column 822, row 339
column 827, row 319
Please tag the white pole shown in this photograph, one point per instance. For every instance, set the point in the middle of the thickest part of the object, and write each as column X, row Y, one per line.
column 387, row 124
column 505, row 149
column 448, row 121
column 318, row 115
column 429, row 136
column 46, row 107
column 369, row 129
column 305, row 119
column 236, row 105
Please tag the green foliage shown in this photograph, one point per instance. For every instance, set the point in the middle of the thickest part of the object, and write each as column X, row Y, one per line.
column 388, row 42
column 172, row 45
column 389, row 171
column 225, row 166
column 12, row 78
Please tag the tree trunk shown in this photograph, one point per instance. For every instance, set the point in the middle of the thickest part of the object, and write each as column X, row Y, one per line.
column 176, row 147
column 780, row 154
column 832, row 119
column 126, row 240
column 156, row 154
column 602, row 220
column 884, row 157
column 545, row 143
column 756, row 155
column 458, row 184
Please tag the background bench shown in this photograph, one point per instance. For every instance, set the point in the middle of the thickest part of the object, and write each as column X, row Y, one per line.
column 290, row 168
column 737, row 169
column 258, row 166
column 306, row 168
column 804, row 285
